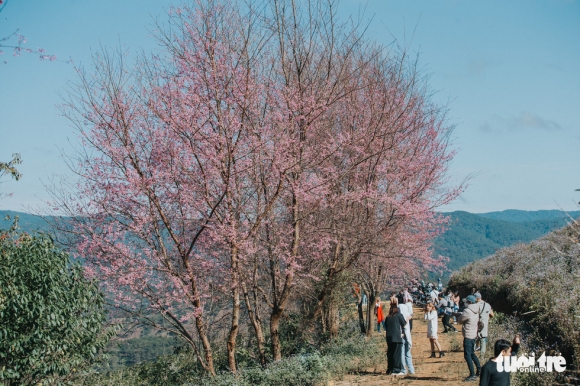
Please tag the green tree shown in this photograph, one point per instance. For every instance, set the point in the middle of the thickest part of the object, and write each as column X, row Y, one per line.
column 51, row 316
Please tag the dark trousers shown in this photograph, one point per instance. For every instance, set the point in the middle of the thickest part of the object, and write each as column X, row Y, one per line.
column 394, row 360
column 448, row 326
column 411, row 325
column 470, row 357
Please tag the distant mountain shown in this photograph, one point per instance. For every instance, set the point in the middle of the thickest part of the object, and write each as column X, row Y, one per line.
column 522, row 216
column 27, row 222
column 474, row 236
column 470, row 236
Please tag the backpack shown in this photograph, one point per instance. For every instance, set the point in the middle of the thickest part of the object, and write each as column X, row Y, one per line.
column 480, row 324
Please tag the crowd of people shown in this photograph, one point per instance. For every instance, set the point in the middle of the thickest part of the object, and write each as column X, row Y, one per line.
column 472, row 313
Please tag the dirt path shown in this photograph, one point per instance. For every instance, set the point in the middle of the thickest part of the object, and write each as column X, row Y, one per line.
column 449, row 370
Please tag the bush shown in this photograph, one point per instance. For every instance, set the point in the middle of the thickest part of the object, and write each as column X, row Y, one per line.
column 349, row 353
column 51, row 317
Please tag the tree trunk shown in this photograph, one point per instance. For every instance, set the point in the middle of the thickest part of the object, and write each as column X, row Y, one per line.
column 256, row 324
column 332, row 319
column 201, row 331
column 361, row 317
column 234, row 327
column 205, row 343
column 370, row 312
column 280, row 302
column 275, row 333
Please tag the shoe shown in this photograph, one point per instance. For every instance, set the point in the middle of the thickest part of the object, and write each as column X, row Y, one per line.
column 433, row 355
column 445, row 332
column 477, row 349
column 470, row 379
column 402, row 374
column 478, row 372
column 441, row 354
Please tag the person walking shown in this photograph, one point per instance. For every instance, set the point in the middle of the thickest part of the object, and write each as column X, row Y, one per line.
column 434, row 294
column 401, row 297
column 379, row 314
column 410, row 308
column 443, row 305
column 394, row 325
column 406, row 295
column 431, row 318
column 456, row 300
column 406, row 310
column 489, row 374
column 394, row 300
column 485, row 312
column 468, row 320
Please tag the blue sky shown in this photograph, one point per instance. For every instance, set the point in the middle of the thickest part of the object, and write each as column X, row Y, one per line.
column 508, row 70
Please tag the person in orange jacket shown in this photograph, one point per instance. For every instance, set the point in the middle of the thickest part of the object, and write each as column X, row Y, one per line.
column 379, row 314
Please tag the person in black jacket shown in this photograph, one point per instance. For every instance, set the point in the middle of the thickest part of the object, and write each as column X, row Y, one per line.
column 489, row 374
column 394, row 324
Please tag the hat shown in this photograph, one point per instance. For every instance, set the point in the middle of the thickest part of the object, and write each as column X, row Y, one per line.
column 471, row 299
column 477, row 295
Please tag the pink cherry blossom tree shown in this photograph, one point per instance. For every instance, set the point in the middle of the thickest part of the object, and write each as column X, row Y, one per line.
column 263, row 151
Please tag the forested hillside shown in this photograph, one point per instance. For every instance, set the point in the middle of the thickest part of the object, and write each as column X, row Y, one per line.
column 474, row 236
column 524, row 216
column 27, row 222
column 539, row 281
column 471, row 236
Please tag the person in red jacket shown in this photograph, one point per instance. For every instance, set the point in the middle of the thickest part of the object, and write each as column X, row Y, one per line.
column 379, row 314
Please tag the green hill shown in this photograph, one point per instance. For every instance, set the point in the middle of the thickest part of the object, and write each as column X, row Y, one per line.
column 474, row 236
column 539, row 281
column 470, row 236
column 523, row 216
column 28, row 222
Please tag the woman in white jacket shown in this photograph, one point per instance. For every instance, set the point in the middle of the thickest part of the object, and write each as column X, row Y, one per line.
column 432, row 318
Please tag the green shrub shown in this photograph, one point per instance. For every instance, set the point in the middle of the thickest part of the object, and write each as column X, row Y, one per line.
column 51, row 316
column 349, row 353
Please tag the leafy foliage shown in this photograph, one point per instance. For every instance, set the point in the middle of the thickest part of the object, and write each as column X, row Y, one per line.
column 10, row 168
column 51, row 317
column 349, row 353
